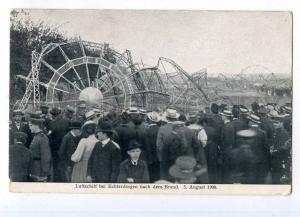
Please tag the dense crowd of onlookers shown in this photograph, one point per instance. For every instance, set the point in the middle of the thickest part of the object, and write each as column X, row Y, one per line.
column 221, row 145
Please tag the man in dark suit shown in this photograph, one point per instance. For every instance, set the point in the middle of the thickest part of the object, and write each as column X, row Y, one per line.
column 20, row 159
column 267, row 125
column 41, row 166
column 68, row 146
column 19, row 125
column 104, row 163
column 125, row 133
column 228, row 141
column 59, row 127
column 261, row 150
column 150, row 145
column 239, row 112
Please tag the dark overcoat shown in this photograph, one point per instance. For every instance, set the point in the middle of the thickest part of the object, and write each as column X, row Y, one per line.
column 104, row 163
column 138, row 172
column 41, row 155
column 20, row 162
column 125, row 134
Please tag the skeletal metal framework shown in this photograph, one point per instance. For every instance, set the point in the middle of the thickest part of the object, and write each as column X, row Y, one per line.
column 62, row 70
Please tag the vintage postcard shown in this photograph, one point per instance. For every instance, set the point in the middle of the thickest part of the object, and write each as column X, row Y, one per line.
column 151, row 101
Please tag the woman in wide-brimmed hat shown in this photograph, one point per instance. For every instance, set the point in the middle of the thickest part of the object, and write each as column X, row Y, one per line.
column 83, row 152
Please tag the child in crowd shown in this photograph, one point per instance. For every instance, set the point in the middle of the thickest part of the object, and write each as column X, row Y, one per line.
column 133, row 169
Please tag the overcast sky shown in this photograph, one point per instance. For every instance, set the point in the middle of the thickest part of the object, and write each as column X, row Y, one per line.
column 222, row 42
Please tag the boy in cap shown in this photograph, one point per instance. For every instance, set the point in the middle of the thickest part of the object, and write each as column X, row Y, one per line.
column 133, row 170
column 104, row 163
column 20, row 159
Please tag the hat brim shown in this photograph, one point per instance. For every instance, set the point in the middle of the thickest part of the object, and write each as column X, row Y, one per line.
column 255, row 121
column 132, row 148
column 170, row 117
column 226, row 115
column 175, row 172
column 133, row 112
column 156, row 121
column 88, row 124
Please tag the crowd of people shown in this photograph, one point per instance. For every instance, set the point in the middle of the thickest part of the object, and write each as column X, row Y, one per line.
column 220, row 145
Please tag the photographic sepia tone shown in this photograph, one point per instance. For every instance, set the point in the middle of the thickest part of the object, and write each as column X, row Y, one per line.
column 150, row 97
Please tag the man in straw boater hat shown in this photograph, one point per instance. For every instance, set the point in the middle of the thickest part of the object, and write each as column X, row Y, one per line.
column 138, row 124
column 165, row 131
column 185, row 170
column 41, row 152
column 68, row 146
column 261, row 150
column 104, row 163
column 227, row 140
column 180, row 141
column 266, row 124
column 242, row 160
column 133, row 169
column 239, row 120
column 153, row 119
column 20, row 159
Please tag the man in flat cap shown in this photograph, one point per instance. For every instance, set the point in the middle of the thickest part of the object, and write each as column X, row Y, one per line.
column 69, row 112
column 20, row 159
column 41, row 167
column 45, row 115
